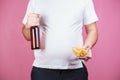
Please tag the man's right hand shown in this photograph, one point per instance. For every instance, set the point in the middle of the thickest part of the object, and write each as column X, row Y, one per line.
column 32, row 20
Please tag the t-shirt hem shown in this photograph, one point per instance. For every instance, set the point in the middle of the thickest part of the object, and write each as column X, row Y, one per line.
column 58, row 66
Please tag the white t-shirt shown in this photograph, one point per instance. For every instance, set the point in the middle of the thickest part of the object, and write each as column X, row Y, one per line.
column 63, row 20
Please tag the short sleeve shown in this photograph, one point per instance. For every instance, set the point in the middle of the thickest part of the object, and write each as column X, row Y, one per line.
column 89, row 13
column 30, row 9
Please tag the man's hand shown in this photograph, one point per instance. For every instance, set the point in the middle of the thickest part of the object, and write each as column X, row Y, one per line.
column 89, row 53
column 32, row 20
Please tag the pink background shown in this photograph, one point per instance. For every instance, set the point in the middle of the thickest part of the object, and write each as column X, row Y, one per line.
column 16, row 56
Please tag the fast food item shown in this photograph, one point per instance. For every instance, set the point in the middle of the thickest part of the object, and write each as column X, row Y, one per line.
column 79, row 51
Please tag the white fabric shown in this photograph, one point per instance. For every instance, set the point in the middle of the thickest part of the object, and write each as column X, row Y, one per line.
column 63, row 20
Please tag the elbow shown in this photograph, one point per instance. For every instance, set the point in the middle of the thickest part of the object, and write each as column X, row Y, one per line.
column 26, row 34
column 27, row 39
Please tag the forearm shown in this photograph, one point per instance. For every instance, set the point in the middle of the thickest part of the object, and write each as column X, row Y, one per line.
column 91, row 39
column 26, row 33
column 92, row 36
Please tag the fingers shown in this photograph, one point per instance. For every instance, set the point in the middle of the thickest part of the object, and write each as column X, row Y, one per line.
column 33, row 20
column 34, row 15
column 86, row 58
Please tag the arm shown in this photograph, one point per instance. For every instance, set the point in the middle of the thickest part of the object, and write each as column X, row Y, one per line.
column 32, row 20
column 92, row 35
column 26, row 33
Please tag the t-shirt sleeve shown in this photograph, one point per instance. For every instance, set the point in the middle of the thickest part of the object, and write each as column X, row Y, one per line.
column 30, row 9
column 89, row 13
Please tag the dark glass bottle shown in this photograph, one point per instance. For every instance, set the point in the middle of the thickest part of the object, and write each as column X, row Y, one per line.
column 35, row 37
